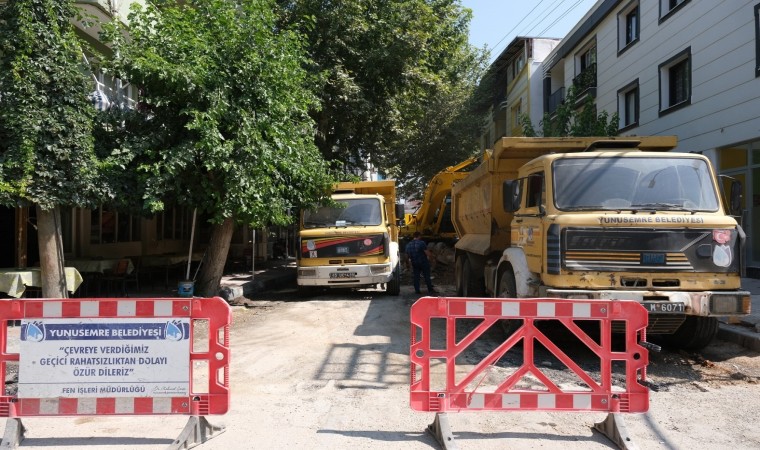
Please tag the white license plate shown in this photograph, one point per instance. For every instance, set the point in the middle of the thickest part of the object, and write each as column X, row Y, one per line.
column 343, row 275
column 664, row 307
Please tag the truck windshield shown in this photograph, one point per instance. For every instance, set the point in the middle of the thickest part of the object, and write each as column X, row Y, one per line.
column 349, row 212
column 615, row 183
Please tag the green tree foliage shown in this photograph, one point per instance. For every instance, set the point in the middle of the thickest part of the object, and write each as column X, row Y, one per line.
column 444, row 123
column 46, row 147
column 569, row 120
column 224, row 104
column 224, row 122
column 396, row 77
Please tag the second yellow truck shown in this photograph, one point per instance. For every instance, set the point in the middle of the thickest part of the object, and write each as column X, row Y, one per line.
column 354, row 242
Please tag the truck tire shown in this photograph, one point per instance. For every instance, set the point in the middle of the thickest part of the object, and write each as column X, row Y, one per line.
column 507, row 288
column 695, row 333
column 393, row 287
column 472, row 282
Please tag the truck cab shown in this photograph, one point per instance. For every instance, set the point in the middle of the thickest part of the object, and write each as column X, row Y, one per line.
column 613, row 220
column 352, row 243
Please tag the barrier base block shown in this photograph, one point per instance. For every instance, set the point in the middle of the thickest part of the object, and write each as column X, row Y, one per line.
column 197, row 431
column 441, row 431
column 14, row 433
column 613, row 426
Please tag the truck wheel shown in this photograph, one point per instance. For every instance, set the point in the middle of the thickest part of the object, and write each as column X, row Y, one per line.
column 695, row 333
column 393, row 287
column 472, row 283
column 507, row 288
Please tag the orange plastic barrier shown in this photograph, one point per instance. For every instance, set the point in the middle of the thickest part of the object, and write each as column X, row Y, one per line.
column 463, row 389
column 103, row 343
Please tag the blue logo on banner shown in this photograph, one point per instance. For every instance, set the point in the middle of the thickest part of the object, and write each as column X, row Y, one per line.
column 35, row 332
column 174, row 331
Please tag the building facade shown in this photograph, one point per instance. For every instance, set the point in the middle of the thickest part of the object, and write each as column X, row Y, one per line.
column 516, row 76
column 689, row 68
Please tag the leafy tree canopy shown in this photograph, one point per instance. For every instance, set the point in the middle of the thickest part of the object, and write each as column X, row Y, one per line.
column 396, row 79
column 223, row 123
column 46, row 144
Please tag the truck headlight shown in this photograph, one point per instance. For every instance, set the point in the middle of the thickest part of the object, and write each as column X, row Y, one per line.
column 379, row 269
column 729, row 304
column 722, row 255
column 307, row 272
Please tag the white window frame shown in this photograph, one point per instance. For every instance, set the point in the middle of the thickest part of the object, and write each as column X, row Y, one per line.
column 516, row 112
column 623, row 38
column 627, row 122
column 670, row 7
column 665, row 73
column 580, row 56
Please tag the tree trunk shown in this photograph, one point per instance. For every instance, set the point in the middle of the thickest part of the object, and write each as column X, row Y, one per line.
column 51, row 253
column 211, row 273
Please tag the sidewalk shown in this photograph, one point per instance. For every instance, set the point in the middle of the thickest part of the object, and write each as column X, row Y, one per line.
column 267, row 275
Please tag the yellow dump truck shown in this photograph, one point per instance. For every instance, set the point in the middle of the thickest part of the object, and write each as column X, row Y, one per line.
column 433, row 217
column 354, row 242
column 604, row 218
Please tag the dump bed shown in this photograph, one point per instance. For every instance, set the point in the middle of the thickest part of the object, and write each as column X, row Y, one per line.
column 385, row 188
column 477, row 201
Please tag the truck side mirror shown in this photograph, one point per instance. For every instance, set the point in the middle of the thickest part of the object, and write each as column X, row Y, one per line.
column 735, row 199
column 399, row 214
column 511, row 195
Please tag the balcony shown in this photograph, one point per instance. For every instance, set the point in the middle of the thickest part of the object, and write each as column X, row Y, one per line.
column 585, row 82
column 101, row 11
column 556, row 99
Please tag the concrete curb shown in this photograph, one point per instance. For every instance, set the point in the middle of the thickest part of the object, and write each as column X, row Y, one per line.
column 740, row 335
column 284, row 279
column 273, row 280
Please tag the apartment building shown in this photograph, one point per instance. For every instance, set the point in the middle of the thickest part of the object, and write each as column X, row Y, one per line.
column 516, row 79
column 689, row 68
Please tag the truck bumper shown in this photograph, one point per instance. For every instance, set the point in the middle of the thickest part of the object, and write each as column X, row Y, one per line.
column 345, row 276
column 702, row 303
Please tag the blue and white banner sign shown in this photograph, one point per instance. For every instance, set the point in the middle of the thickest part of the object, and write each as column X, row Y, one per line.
column 108, row 357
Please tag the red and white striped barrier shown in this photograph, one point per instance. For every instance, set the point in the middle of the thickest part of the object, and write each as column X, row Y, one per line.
column 117, row 357
column 461, row 388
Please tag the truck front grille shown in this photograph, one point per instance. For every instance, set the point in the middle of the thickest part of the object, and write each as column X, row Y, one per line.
column 633, row 261
column 633, row 250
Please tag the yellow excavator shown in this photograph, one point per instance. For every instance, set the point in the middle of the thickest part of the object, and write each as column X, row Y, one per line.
column 433, row 216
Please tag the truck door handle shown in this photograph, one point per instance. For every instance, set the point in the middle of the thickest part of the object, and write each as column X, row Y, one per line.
column 518, row 220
